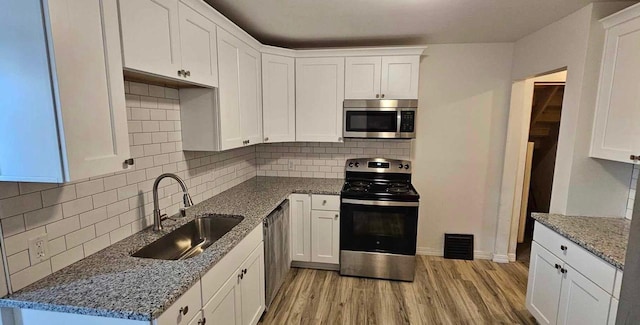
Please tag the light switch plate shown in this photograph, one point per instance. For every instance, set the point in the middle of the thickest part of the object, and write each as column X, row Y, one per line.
column 38, row 249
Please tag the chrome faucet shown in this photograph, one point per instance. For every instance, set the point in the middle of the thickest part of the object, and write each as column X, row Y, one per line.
column 186, row 198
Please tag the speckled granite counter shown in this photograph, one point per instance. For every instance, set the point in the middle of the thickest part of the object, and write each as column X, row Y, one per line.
column 605, row 237
column 111, row 283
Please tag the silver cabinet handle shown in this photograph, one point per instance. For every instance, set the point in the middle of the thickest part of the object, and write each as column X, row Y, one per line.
column 129, row 162
column 180, row 73
column 184, row 310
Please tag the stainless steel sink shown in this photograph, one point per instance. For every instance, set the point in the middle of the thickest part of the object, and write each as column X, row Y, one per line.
column 190, row 239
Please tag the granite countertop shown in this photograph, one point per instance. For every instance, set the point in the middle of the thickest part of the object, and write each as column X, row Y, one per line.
column 606, row 237
column 113, row 284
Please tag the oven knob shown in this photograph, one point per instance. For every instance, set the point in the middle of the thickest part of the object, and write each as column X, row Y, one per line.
column 350, row 164
column 357, row 165
column 400, row 166
column 406, row 166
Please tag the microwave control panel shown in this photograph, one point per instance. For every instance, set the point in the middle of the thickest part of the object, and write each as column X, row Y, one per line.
column 407, row 121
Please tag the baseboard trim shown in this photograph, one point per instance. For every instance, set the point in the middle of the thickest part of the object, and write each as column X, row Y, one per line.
column 512, row 257
column 427, row 251
column 318, row 266
column 501, row 258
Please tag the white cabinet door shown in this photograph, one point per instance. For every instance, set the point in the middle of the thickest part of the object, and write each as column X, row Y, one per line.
column 278, row 98
column 319, row 99
column 617, row 128
column 400, row 76
column 86, row 47
column 229, row 49
column 197, row 320
column 325, row 236
column 613, row 311
column 252, row 287
column 300, row 218
column 198, row 47
column 582, row 301
column 151, row 36
column 250, row 95
column 362, row 77
column 543, row 289
column 225, row 306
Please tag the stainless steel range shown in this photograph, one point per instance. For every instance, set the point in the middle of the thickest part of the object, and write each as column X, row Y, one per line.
column 379, row 219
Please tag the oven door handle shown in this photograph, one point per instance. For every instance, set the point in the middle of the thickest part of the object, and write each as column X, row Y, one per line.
column 381, row 203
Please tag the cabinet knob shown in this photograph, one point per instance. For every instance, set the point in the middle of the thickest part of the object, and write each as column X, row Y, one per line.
column 377, row 95
column 382, row 95
column 187, row 73
column 184, row 310
column 563, row 271
column 340, row 139
column 129, row 162
column 203, row 321
column 336, row 217
column 324, row 202
column 266, row 139
column 241, row 275
column 563, row 248
column 634, row 157
column 244, row 271
column 557, row 266
column 180, row 73
column 248, row 141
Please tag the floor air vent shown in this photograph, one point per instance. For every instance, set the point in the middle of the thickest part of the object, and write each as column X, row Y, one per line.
column 457, row 246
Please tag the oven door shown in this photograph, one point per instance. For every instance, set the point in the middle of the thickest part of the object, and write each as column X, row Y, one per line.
column 373, row 122
column 378, row 226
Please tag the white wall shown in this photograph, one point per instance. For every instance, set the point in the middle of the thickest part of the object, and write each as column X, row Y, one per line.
column 458, row 153
column 84, row 217
column 582, row 185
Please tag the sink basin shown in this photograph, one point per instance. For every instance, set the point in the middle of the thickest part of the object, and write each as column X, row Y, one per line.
column 190, row 239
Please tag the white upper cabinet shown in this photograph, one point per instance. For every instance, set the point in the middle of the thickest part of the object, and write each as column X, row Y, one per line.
column 198, row 45
column 386, row 77
column 151, row 36
column 278, row 98
column 250, row 94
column 230, row 116
column 169, row 39
column 51, row 134
column 319, row 98
column 616, row 133
column 362, row 77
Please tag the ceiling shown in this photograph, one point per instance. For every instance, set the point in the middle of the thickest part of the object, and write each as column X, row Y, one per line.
column 332, row 23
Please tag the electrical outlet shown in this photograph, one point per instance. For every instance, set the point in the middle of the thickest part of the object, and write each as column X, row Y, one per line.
column 38, row 249
column 291, row 166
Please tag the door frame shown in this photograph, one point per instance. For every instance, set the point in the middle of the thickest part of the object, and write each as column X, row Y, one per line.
column 514, row 162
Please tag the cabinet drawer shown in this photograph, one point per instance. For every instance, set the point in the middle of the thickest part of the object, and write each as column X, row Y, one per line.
column 325, row 202
column 215, row 278
column 594, row 268
column 184, row 309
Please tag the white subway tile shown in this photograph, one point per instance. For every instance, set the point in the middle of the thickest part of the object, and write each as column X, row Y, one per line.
column 13, row 225
column 57, row 245
column 30, row 275
column 140, row 114
column 93, row 216
column 132, row 101
column 150, row 126
column 96, row 244
column 152, row 149
column 159, row 137
column 42, row 217
column 63, row 227
column 58, row 195
column 67, row 258
column 171, row 93
column 137, row 88
column 156, row 91
column 135, row 126
column 20, row 204
column 127, row 191
column 8, row 189
column 105, row 198
column 78, row 206
column 26, row 188
column 120, row 234
column 80, row 236
column 90, row 187
column 158, row 114
column 106, row 226
column 18, row 262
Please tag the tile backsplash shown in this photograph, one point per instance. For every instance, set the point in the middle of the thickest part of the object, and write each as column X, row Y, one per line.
column 323, row 160
column 84, row 217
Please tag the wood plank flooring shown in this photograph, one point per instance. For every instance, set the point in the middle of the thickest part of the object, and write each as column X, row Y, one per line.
column 444, row 292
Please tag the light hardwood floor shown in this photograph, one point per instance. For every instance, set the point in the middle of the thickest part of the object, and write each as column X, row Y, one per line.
column 444, row 292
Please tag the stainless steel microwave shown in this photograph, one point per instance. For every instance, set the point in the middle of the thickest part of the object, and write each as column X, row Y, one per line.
column 380, row 119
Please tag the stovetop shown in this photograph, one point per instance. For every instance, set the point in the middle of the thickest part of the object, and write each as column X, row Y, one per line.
column 379, row 190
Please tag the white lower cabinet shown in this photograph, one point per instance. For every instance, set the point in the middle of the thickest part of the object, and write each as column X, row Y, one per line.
column 325, row 227
column 315, row 232
column 613, row 311
column 252, row 287
column 184, row 309
column 197, row 320
column 581, row 301
column 224, row 307
column 565, row 289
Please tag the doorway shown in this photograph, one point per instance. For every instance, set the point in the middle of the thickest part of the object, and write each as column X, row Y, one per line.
column 540, row 158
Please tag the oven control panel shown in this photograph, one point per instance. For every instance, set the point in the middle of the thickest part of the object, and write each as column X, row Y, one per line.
column 378, row 165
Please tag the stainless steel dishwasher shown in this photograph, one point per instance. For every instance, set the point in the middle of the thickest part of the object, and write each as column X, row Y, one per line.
column 277, row 260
